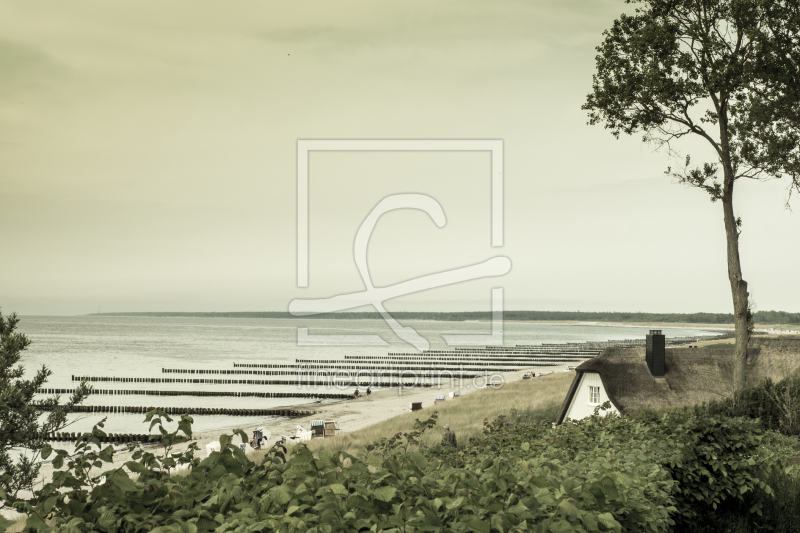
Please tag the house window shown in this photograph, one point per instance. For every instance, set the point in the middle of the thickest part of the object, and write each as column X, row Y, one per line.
column 594, row 395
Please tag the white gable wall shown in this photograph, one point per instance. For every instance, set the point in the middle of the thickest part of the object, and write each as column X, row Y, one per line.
column 580, row 406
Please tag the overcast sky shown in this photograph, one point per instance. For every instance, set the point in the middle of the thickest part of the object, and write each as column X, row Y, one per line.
column 148, row 162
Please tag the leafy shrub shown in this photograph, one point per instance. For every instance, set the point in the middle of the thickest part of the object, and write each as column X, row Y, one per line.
column 780, row 514
column 717, row 459
column 599, row 474
column 390, row 488
column 710, row 459
column 713, row 459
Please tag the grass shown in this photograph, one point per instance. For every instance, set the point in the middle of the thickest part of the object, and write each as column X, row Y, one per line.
column 719, row 346
column 464, row 414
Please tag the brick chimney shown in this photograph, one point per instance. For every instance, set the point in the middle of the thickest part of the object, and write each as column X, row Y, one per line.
column 656, row 354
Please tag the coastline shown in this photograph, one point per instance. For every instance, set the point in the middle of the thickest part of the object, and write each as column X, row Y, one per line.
column 659, row 325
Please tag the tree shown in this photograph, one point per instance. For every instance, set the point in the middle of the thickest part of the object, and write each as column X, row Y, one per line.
column 725, row 71
column 22, row 426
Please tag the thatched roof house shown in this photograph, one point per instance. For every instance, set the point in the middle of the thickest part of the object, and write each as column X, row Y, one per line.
column 692, row 375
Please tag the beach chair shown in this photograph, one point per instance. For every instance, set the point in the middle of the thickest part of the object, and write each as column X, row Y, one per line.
column 318, row 428
column 303, row 434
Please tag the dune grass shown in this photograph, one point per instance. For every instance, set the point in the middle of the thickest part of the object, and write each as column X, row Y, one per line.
column 464, row 414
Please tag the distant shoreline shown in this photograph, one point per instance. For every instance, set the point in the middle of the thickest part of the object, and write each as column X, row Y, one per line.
column 763, row 318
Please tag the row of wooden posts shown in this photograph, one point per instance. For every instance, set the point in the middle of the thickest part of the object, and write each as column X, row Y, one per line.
column 136, row 409
column 302, row 379
column 477, row 361
column 235, row 394
column 120, row 438
column 366, row 370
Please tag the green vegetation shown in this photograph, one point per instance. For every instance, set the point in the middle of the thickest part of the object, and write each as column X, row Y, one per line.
column 604, row 473
column 761, row 317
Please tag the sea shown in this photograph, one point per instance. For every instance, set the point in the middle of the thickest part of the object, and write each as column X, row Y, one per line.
column 140, row 347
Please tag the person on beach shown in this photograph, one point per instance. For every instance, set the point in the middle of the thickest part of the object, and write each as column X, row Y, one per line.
column 449, row 438
column 369, row 391
column 356, row 393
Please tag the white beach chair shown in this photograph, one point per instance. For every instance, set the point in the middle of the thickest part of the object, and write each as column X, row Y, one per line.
column 303, row 434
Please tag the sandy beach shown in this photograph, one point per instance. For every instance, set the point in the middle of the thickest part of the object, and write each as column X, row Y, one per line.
column 352, row 415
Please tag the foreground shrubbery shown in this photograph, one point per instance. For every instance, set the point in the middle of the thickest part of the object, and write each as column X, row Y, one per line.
column 601, row 474
column 710, row 459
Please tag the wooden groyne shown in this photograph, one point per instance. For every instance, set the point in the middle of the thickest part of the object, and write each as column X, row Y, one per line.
column 456, row 360
column 119, row 438
column 300, row 381
column 381, row 363
column 235, row 394
column 340, row 373
column 387, row 368
column 389, row 365
column 211, row 411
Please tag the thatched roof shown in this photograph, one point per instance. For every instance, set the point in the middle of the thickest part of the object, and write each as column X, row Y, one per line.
column 694, row 375
column 774, row 358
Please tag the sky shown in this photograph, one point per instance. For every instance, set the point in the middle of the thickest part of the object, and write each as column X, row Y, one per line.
column 148, row 162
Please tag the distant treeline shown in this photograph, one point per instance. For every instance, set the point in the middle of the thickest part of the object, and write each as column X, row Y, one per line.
column 762, row 317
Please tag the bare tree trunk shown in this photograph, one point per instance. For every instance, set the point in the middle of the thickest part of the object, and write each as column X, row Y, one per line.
column 738, row 285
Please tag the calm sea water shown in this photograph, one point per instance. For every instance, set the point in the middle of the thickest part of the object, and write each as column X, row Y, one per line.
column 142, row 346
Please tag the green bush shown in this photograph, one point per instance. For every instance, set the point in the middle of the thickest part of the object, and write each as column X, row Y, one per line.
column 711, row 459
column 780, row 514
column 391, row 488
column 715, row 460
column 599, row 474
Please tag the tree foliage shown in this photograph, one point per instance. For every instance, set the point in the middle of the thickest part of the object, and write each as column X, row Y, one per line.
column 727, row 71
column 23, row 428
